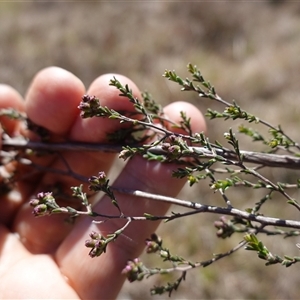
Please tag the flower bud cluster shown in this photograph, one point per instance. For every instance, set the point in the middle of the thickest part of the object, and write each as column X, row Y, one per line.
column 89, row 106
column 97, row 183
column 134, row 270
column 44, row 204
column 97, row 242
column 153, row 244
column 174, row 147
column 224, row 226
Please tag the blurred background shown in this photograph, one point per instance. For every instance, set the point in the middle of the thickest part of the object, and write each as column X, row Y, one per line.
column 248, row 50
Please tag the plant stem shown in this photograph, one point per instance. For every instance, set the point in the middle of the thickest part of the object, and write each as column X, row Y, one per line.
column 265, row 159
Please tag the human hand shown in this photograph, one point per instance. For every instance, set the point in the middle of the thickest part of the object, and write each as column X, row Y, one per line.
column 45, row 257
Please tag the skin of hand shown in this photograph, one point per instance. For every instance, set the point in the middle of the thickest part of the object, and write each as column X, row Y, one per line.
column 42, row 258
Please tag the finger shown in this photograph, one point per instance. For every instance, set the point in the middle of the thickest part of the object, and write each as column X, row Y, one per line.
column 52, row 99
column 10, row 98
column 44, row 234
column 51, row 102
column 10, row 200
column 95, row 129
column 139, row 174
column 9, row 241
column 22, row 273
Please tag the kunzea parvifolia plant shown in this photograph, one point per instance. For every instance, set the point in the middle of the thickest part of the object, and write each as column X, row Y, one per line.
column 223, row 167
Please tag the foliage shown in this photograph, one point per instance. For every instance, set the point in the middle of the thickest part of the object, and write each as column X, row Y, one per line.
column 198, row 159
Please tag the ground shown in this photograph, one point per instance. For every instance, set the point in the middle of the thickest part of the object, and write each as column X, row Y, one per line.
column 248, row 50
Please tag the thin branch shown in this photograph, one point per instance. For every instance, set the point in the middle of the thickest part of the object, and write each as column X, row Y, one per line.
column 201, row 208
column 266, row 159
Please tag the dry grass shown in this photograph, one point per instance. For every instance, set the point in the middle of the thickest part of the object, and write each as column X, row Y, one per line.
column 249, row 51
